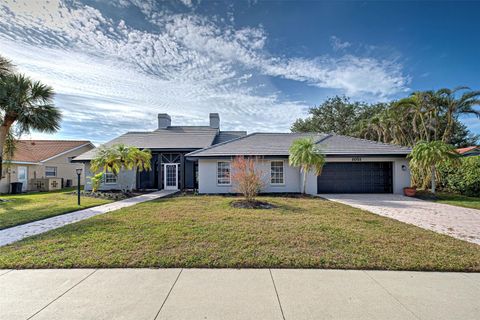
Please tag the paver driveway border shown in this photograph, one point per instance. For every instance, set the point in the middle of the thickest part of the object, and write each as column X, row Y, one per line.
column 237, row 294
column 17, row 233
column 458, row 222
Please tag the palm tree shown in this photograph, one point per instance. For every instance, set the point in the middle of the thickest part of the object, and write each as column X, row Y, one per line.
column 457, row 106
column 118, row 157
column 6, row 66
column 426, row 156
column 28, row 105
column 304, row 153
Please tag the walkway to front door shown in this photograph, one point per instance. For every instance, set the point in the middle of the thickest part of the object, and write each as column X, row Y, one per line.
column 170, row 176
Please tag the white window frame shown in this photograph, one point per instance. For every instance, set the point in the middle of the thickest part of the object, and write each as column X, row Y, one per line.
column 283, row 173
column 109, row 174
column 229, row 174
column 54, row 169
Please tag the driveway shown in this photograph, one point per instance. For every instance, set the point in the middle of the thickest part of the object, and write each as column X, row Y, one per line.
column 458, row 222
column 235, row 294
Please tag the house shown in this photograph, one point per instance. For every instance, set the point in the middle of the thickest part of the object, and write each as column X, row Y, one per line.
column 43, row 164
column 469, row 151
column 352, row 165
column 169, row 145
column 199, row 157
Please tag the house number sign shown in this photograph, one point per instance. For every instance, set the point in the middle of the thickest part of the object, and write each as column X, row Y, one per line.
column 356, row 159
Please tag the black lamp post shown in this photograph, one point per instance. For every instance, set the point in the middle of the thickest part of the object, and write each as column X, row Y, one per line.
column 79, row 173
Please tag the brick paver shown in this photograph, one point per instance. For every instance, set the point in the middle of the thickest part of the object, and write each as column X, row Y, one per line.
column 458, row 222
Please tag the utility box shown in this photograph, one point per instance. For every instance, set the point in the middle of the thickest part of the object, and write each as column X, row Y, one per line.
column 46, row 184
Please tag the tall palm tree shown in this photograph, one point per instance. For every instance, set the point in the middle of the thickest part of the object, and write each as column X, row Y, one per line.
column 304, row 153
column 456, row 106
column 28, row 105
column 426, row 156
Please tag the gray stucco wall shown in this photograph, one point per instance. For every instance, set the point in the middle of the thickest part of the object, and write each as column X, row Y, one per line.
column 126, row 180
column 293, row 177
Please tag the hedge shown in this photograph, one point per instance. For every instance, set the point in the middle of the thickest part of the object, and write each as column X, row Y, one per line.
column 464, row 179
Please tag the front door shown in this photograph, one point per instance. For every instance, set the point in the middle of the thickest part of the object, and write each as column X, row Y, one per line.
column 22, row 176
column 170, row 176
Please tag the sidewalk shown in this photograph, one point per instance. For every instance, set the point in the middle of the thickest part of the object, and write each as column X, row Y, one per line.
column 237, row 294
column 20, row 232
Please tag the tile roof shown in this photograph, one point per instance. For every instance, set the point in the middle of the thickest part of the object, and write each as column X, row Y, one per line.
column 173, row 137
column 278, row 144
column 39, row 150
column 467, row 149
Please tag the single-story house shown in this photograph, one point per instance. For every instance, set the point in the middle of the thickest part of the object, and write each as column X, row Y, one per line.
column 352, row 165
column 169, row 145
column 199, row 157
column 469, row 151
column 43, row 164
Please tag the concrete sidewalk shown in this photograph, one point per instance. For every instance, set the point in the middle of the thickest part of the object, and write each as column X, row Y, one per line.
column 22, row 231
column 237, row 294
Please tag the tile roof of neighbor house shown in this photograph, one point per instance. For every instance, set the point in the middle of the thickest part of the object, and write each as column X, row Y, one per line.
column 277, row 144
column 39, row 150
column 467, row 149
column 173, row 137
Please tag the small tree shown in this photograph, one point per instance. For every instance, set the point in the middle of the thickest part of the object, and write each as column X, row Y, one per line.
column 425, row 158
column 120, row 157
column 246, row 178
column 304, row 153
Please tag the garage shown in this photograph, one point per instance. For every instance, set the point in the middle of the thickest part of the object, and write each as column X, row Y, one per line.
column 356, row 177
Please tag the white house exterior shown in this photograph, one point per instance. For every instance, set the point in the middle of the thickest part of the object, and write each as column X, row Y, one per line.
column 352, row 165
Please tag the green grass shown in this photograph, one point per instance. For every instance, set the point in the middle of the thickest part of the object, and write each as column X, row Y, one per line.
column 204, row 231
column 25, row 208
column 458, row 200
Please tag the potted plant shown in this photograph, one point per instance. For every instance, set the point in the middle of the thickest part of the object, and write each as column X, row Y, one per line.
column 410, row 191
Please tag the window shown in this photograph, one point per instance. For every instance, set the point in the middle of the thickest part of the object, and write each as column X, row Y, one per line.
column 50, row 171
column 223, row 173
column 276, row 172
column 109, row 178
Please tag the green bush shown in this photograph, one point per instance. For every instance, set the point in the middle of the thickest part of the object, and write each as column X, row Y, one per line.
column 464, row 179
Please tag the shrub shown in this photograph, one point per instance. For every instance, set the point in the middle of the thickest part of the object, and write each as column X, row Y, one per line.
column 246, row 178
column 464, row 179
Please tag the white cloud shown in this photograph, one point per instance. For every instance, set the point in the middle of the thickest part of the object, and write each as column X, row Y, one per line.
column 338, row 44
column 188, row 67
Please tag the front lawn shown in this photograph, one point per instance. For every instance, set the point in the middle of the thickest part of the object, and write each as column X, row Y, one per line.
column 205, row 231
column 23, row 208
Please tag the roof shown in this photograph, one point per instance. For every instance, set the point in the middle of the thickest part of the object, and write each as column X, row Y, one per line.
column 40, row 150
column 468, row 149
column 278, row 144
column 173, row 137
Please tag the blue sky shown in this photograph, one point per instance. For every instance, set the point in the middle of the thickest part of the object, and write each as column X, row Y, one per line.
column 116, row 64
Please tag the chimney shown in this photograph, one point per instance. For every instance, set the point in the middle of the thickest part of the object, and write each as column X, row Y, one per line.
column 214, row 121
column 164, row 121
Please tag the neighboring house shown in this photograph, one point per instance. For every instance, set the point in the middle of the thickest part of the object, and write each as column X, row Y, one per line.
column 469, row 151
column 43, row 159
column 168, row 144
column 352, row 165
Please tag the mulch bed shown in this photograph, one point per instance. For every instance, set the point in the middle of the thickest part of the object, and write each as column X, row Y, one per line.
column 244, row 204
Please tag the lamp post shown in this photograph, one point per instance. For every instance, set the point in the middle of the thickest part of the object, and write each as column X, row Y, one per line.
column 79, row 173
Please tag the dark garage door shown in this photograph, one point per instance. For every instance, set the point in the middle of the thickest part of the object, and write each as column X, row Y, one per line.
column 356, row 177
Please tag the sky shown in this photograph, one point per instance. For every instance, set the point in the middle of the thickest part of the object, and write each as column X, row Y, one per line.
column 115, row 65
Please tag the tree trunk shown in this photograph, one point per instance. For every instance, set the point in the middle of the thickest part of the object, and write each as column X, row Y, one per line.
column 433, row 179
column 305, row 171
column 4, row 129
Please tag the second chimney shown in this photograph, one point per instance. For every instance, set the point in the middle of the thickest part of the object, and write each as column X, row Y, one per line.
column 214, row 121
column 164, row 121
